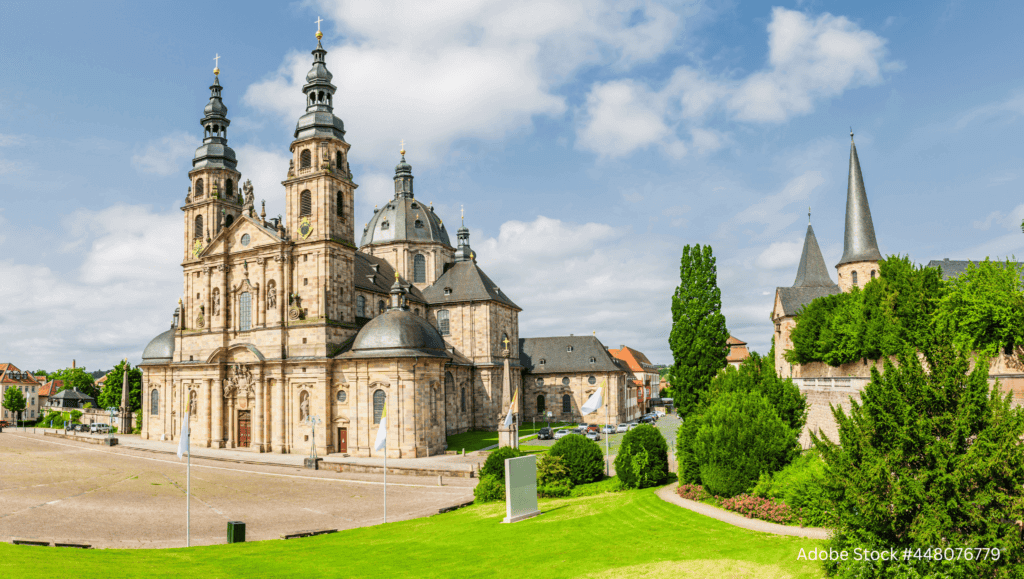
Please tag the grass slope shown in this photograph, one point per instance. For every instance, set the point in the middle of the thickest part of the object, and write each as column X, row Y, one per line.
column 626, row 534
column 479, row 439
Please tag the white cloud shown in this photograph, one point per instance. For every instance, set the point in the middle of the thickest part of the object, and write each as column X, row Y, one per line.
column 1009, row 109
column 121, row 296
column 772, row 210
column 808, row 60
column 165, row 156
column 266, row 169
column 10, row 140
column 434, row 72
column 780, row 255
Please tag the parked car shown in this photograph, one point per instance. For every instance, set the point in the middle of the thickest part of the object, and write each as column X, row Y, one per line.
column 100, row 428
column 593, row 435
column 624, row 427
column 562, row 432
column 545, row 434
column 608, row 429
column 69, row 426
column 81, row 428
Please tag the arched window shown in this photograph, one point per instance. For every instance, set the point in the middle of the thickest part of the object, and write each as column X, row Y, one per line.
column 540, row 404
column 361, row 307
column 378, row 405
column 341, row 204
column 463, row 399
column 305, row 159
column 305, row 203
column 245, row 312
column 566, row 404
column 872, row 274
column 380, row 306
column 419, row 268
column 199, row 188
column 229, row 220
column 199, row 226
column 442, row 322
column 854, row 276
column 338, row 161
column 434, row 395
column 154, row 402
column 229, row 190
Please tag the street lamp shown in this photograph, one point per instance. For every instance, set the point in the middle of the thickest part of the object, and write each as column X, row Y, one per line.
column 112, row 410
column 313, row 421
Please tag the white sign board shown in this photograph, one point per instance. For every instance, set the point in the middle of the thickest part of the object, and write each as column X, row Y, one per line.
column 520, row 488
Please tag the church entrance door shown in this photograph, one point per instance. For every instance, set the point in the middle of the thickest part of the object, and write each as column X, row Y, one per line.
column 244, row 428
column 342, row 440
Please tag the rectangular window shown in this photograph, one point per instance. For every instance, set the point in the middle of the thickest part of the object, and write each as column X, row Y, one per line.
column 244, row 312
column 442, row 322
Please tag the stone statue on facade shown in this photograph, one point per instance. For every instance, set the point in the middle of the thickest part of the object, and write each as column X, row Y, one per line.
column 249, row 205
column 304, row 407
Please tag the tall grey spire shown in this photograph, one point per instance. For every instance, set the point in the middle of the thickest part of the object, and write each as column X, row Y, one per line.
column 859, row 242
column 319, row 120
column 215, row 152
column 812, row 271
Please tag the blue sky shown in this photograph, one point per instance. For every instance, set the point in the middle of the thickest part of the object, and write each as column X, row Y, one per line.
column 588, row 141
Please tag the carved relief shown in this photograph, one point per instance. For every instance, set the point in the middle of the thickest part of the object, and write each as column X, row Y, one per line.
column 240, row 382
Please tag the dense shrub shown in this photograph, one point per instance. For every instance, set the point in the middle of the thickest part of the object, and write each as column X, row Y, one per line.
column 642, row 460
column 555, row 491
column 686, row 461
column 495, row 463
column 490, row 488
column 753, row 507
column 799, row 485
column 552, row 471
column 581, row 456
column 740, row 437
column 693, row 492
column 757, row 374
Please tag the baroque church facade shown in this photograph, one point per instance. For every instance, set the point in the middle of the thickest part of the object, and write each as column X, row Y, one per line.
column 284, row 323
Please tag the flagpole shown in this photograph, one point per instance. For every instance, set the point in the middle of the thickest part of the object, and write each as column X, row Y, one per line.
column 607, row 412
column 188, row 502
column 385, row 481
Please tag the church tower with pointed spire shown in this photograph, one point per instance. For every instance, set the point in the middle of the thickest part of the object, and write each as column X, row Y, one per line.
column 319, row 204
column 213, row 201
column 859, row 263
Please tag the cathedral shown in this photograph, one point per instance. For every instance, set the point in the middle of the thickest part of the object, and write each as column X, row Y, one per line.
column 286, row 324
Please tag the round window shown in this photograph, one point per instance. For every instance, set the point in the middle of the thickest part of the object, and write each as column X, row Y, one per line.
column 565, row 381
column 245, row 239
column 540, row 381
column 592, row 380
column 342, row 396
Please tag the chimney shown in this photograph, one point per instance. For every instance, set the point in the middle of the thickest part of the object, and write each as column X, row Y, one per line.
column 72, row 364
column 622, row 346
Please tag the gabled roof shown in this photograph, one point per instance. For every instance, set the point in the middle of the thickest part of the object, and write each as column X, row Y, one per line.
column 737, row 350
column 11, row 374
column 557, row 357
column 51, row 388
column 468, row 283
column 374, row 274
column 953, row 268
column 635, row 359
column 795, row 298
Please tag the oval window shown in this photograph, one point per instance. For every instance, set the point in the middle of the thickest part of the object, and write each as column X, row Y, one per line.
column 592, row 380
column 540, row 381
column 245, row 239
column 342, row 396
column 565, row 381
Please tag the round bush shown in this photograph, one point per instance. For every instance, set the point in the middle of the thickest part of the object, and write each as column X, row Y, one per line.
column 581, row 456
column 551, row 471
column 643, row 458
column 490, row 488
column 740, row 437
column 495, row 463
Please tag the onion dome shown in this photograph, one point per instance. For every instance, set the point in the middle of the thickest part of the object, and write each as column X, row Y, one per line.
column 319, row 120
column 404, row 218
column 215, row 152
column 397, row 333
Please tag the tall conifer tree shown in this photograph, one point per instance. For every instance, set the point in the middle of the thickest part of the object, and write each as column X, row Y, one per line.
column 698, row 337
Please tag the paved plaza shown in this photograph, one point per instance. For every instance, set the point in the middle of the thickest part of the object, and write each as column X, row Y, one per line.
column 62, row 490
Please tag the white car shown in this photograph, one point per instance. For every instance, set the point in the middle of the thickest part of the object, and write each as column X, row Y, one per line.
column 561, row 433
column 593, row 435
column 608, row 429
column 100, row 428
column 623, row 427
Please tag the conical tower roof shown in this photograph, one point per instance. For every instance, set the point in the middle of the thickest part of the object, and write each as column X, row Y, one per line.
column 812, row 271
column 859, row 242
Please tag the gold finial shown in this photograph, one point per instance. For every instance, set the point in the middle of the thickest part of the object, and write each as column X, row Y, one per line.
column 319, row 34
column 472, row 256
column 216, row 65
column 462, row 209
column 396, row 276
column 402, row 152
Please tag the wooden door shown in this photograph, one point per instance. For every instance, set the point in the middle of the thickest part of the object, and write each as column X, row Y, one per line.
column 244, row 428
column 342, row 440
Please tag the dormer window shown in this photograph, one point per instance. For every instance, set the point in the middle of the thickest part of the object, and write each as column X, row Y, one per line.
column 384, row 225
column 415, row 206
column 419, row 224
column 568, row 348
column 593, row 360
column 542, row 361
column 447, row 291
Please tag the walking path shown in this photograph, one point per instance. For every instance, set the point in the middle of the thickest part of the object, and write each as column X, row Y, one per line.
column 669, row 494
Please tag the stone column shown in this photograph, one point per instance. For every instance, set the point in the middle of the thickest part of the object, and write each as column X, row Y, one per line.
column 208, row 274
column 278, row 415
column 205, row 413
column 257, row 417
column 261, row 300
column 217, row 409
column 231, row 423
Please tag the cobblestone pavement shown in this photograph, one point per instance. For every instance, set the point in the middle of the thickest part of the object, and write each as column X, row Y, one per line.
column 60, row 490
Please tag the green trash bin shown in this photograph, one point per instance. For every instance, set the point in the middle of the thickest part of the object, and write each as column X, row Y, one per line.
column 236, row 532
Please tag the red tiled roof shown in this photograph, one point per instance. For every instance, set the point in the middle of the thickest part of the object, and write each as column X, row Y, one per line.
column 6, row 371
column 634, row 358
column 733, row 341
column 737, row 350
column 51, row 387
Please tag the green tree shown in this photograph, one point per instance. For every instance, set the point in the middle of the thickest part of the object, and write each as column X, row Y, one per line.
column 581, row 456
column 698, row 337
column 76, row 378
column 642, row 460
column 757, row 374
column 111, row 395
column 14, row 401
column 927, row 459
column 983, row 308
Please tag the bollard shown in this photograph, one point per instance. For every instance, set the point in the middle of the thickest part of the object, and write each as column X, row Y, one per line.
column 463, row 452
column 440, row 483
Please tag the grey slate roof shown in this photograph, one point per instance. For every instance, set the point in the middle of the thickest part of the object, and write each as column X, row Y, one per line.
column 319, row 120
column 952, row 268
column 812, row 271
column 72, row 394
column 396, row 221
column 859, row 241
column 215, row 152
column 160, row 349
column 557, row 358
column 373, row 274
column 397, row 334
column 468, row 284
column 794, row 298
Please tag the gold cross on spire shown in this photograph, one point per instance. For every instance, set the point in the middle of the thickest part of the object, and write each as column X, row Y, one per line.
column 506, row 342
column 216, row 64
column 319, row 34
column 403, row 147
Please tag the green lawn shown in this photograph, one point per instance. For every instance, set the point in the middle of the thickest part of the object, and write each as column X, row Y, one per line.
column 478, row 439
column 624, row 534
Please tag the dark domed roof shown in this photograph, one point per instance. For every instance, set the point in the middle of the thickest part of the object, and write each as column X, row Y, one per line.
column 160, row 350
column 397, row 333
column 405, row 219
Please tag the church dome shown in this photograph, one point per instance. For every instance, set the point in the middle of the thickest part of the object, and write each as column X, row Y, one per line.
column 160, row 349
column 404, row 218
column 396, row 333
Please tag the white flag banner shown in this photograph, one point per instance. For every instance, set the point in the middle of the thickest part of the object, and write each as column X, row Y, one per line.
column 382, row 432
column 183, row 444
column 511, row 409
column 593, row 403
